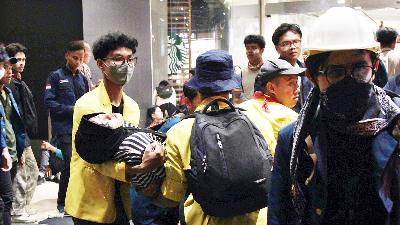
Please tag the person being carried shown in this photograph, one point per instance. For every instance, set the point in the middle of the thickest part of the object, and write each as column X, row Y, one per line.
column 104, row 137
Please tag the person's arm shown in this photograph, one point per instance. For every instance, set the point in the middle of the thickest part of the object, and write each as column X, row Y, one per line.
column 50, row 97
column 279, row 199
column 172, row 189
column 3, row 134
column 18, row 128
column 46, row 146
column 153, row 157
column 5, row 159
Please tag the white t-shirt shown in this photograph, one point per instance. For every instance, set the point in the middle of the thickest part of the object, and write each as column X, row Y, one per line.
column 248, row 77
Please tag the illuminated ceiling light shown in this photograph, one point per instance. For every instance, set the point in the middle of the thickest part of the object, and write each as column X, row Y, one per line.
column 341, row 1
column 358, row 7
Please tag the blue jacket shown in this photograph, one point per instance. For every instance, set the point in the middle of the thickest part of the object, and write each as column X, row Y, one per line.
column 17, row 124
column 279, row 201
column 393, row 84
column 62, row 91
column 3, row 134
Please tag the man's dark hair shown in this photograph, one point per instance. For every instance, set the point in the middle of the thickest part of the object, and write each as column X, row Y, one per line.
column 386, row 36
column 205, row 94
column 113, row 41
column 282, row 29
column 190, row 92
column 163, row 83
column 14, row 48
column 255, row 39
column 75, row 46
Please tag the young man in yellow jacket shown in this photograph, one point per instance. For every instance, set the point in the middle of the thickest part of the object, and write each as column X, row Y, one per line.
column 99, row 193
column 276, row 92
column 214, row 80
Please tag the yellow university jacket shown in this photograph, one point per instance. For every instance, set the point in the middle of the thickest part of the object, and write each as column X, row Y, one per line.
column 175, row 184
column 90, row 194
column 277, row 117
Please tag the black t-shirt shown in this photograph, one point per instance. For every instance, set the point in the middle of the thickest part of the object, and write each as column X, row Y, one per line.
column 118, row 109
column 121, row 216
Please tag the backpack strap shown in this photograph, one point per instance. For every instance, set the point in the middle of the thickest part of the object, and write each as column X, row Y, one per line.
column 215, row 102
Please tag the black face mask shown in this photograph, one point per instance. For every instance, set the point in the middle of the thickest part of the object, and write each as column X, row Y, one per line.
column 346, row 100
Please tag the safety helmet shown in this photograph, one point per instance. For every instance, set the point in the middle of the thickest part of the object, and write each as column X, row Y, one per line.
column 341, row 28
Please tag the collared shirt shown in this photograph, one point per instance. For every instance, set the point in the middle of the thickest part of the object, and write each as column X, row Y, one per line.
column 62, row 90
column 175, row 184
column 248, row 77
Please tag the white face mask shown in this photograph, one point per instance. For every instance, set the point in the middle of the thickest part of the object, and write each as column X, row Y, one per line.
column 2, row 72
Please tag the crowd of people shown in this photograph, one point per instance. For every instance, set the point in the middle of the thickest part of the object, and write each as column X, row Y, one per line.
column 291, row 140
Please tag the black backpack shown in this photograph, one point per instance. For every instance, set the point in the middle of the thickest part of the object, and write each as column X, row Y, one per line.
column 230, row 162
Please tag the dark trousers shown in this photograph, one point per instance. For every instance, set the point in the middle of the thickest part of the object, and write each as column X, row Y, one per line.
column 6, row 195
column 64, row 144
column 13, row 171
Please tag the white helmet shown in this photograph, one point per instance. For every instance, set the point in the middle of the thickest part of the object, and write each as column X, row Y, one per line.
column 341, row 28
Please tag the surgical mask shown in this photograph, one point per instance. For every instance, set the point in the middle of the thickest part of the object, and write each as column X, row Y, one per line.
column 119, row 74
column 2, row 72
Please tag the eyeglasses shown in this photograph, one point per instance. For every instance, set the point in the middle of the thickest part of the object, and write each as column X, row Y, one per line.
column 335, row 73
column 288, row 44
column 119, row 60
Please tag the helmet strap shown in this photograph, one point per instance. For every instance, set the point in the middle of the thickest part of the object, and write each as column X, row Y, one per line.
column 376, row 66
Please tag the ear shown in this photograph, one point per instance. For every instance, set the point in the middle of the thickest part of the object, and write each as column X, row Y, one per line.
column 270, row 87
column 277, row 49
column 262, row 51
column 186, row 101
column 66, row 55
column 100, row 64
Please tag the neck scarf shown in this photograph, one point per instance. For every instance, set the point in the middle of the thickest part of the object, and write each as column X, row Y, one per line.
column 386, row 111
column 267, row 98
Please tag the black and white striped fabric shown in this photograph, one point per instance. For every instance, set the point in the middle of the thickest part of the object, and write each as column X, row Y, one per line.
column 131, row 151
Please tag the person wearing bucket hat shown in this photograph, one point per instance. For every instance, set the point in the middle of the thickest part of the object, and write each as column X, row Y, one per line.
column 337, row 163
column 214, row 80
column 276, row 92
column 214, row 73
column 12, row 138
